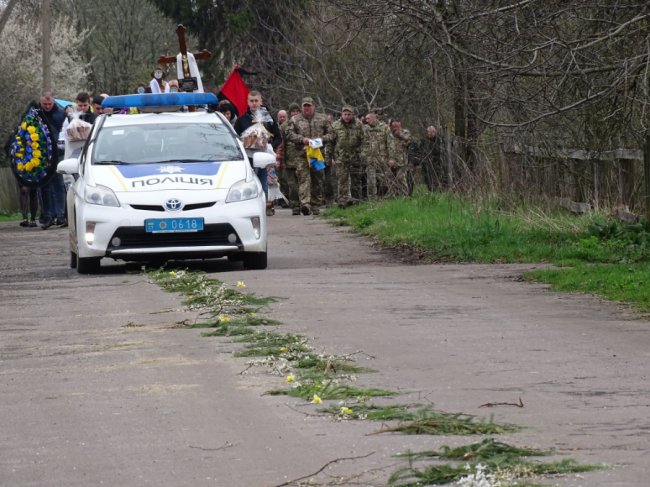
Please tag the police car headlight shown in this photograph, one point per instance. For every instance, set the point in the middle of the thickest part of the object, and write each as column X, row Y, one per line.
column 242, row 191
column 100, row 195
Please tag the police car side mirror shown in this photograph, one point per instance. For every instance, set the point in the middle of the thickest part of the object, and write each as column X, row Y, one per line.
column 263, row 159
column 68, row 166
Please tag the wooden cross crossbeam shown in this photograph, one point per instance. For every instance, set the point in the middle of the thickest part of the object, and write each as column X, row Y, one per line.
column 203, row 54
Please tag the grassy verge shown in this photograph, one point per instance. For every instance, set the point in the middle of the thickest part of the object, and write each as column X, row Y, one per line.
column 594, row 253
column 6, row 216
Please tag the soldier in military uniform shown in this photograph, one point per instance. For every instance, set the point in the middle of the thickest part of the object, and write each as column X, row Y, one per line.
column 289, row 157
column 306, row 126
column 396, row 176
column 349, row 135
column 374, row 154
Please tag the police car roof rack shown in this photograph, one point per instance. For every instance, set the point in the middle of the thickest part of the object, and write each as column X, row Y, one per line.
column 159, row 100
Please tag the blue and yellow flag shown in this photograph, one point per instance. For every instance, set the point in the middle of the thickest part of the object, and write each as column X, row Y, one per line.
column 315, row 159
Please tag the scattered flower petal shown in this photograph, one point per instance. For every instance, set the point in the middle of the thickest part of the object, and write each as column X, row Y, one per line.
column 241, row 284
column 290, row 378
column 316, row 399
column 346, row 410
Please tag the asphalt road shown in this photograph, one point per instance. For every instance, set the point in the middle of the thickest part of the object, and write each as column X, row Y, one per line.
column 99, row 386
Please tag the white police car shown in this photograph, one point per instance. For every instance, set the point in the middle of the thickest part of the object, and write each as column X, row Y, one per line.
column 165, row 185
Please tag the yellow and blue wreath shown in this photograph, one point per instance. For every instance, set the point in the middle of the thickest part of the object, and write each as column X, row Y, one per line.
column 31, row 150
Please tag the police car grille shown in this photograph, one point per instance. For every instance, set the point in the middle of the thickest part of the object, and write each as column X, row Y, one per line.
column 197, row 206
column 136, row 237
column 193, row 206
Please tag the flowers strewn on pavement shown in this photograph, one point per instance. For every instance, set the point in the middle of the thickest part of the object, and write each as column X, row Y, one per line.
column 241, row 284
column 290, row 378
column 224, row 319
column 478, row 479
column 346, row 410
column 284, row 349
column 316, row 399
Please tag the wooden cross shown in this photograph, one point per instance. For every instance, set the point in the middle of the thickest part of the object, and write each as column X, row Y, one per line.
column 188, row 83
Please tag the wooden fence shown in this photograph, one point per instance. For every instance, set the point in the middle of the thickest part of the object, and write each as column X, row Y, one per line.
column 603, row 180
column 9, row 198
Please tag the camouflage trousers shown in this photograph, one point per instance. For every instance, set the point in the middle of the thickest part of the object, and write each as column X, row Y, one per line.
column 358, row 178
column 397, row 181
column 376, row 181
column 349, row 181
column 310, row 185
column 330, row 183
column 289, row 186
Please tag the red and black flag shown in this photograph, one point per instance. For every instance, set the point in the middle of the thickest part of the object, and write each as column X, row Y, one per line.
column 235, row 90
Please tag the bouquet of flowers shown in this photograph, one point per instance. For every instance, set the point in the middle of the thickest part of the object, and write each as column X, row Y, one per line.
column 31, row 149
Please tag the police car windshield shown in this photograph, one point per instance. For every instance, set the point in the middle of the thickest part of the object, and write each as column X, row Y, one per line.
column 164, row 143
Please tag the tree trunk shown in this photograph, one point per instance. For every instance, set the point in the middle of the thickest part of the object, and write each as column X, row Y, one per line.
column 46, row 31
column 6, row 13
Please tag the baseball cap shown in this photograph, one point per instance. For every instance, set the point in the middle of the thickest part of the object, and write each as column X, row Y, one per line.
column 308, row 100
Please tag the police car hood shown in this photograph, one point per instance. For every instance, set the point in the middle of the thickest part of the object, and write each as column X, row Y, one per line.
column 180, row 176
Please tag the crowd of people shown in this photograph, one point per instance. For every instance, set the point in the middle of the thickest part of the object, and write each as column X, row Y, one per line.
column 363, row 157
column 50, row 197
column 366, row 158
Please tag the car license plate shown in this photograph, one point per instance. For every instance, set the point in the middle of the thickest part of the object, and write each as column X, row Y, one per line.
column 173, row 225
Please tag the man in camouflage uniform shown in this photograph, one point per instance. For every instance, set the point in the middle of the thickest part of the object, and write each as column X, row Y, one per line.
column 330, row 181
column 289, row 157
column 396, row 176
column 349, row 135
column 374, row 154
column 304, row 127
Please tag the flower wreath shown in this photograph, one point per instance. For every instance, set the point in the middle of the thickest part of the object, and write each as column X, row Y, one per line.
column 31, row 150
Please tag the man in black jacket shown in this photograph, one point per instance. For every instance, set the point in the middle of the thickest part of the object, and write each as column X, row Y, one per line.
column 257, row 113
column 53, row 192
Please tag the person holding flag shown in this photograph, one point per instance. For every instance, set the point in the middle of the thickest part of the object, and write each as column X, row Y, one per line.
column 308, row 131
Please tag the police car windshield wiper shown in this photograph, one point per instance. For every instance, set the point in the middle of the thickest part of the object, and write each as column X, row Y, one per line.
column 179, row 160
column 108, row 163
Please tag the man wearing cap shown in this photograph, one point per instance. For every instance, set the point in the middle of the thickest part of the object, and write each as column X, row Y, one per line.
column 305, row 127
column 290, row 157
column 349, row 135
column 397, row 175
column 374, row 154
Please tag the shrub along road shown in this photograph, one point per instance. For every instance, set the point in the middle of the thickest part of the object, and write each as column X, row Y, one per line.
column 99, row 384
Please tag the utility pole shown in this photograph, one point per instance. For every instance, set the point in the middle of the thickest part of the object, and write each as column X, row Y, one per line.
column 646, row 173
column 46, row 31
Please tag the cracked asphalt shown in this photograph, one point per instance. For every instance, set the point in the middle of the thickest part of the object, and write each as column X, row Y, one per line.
column 99, row 385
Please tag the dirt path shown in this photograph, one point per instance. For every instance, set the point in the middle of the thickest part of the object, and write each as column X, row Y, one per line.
column 98, row 385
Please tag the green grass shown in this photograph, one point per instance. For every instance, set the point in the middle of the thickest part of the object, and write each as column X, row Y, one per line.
column 6, row 216
column 596, row 254
column 619, row 282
